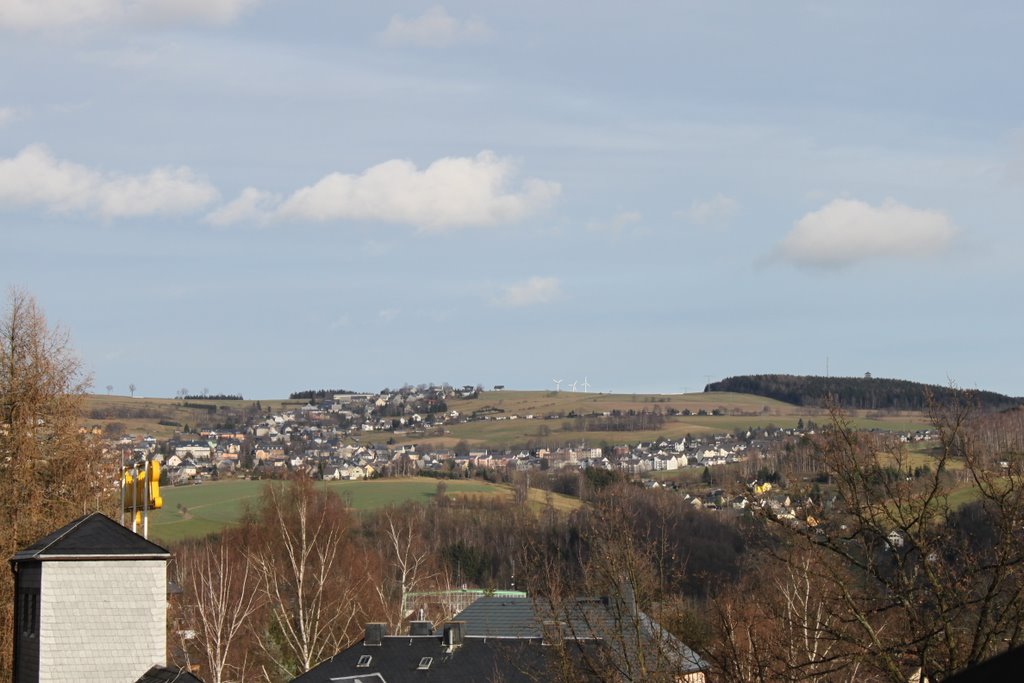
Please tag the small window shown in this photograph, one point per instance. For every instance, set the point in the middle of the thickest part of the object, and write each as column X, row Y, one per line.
column 29, row 606
column 364, row 661
column 23, row 612
column 425, row 663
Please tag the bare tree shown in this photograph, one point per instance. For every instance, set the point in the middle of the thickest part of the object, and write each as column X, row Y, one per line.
column 222, row 596
column 618, row 630
column 782, row 622
column 110, row 388
column 49, row 472
column 310, row 575
column 409, row 558
column 925, row 584
column 131, row 389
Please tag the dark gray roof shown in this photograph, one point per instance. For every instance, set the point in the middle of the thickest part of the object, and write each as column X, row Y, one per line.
column 397, row 660
column 502, row 617
column 611, row 621
column 94, row 535
column 1003, row 667
column 163, row 674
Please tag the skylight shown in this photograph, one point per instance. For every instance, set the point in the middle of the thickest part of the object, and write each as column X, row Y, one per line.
column 425, row 663
column 364, row 661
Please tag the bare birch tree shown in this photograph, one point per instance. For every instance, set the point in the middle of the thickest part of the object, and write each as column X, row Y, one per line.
column 221, row 596
column 310, row 575
column 783, row 622
column 409, row 561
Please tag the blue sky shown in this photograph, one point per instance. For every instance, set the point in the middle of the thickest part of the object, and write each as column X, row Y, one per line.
column 259, row 196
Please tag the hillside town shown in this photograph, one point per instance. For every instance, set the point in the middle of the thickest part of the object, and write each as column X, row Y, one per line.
column 352, row 436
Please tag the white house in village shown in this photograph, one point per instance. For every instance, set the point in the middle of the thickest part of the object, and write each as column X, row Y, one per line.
column 664, row 462
column 193, row 449
column 713, row 456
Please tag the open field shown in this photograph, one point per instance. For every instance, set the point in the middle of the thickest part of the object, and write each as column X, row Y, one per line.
column 213, row 505
column 144, row 415
column 544, row 402
column 741, row 411
column 914, row 458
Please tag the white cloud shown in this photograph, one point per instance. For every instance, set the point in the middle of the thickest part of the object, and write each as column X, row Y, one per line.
column 252, row 206
column 434, row 28
column 35, row 178
column 617, row 223
column 45, row 14
column 190, row 11
column 536, row 290
column 452, row 192
column 7, row 114
column 846, row 231
column 716, row 211
column 387, row 315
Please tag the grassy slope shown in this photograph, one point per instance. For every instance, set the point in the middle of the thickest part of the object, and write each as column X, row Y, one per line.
column 213, row 505
column 742, row 411
column 164, row 408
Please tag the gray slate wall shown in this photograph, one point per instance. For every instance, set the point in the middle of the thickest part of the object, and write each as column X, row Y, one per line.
column 102, row 620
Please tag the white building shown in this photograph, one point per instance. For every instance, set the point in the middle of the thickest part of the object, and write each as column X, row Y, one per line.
column 90, row 605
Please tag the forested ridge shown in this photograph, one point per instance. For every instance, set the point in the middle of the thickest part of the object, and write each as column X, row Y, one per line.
column 869, row 393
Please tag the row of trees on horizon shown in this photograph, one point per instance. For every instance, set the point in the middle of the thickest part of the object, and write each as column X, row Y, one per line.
column 857, row 393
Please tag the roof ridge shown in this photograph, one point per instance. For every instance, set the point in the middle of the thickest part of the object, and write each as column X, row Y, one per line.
column 91, row 535
column 68, row 528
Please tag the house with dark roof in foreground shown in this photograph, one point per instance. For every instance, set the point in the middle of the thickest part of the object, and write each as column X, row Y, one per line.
column 509, row 640
column 426, row 655
column 91, row 605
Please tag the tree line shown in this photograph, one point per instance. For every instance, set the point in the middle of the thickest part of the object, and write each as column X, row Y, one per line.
column 212, row 397
column 317, row 394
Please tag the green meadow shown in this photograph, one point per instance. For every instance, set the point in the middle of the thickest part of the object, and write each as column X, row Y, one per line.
column 208, row 507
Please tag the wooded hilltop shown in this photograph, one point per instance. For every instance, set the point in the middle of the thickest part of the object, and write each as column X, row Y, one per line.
column 856, row 393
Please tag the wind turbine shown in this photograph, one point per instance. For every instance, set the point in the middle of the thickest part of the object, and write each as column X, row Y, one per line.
column 558, row 384
column 574, row 385
column 586, row 385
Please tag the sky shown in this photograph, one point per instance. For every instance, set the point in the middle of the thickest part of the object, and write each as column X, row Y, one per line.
column 265, row 196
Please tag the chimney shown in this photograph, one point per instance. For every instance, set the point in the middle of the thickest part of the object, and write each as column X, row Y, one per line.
column 551, row 632
column 453, row 632
column 421, row 628
column 629, row 599
column 375, row 632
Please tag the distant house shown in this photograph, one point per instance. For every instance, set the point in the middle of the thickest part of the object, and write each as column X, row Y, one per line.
column 665, row 462
column 193, row 449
